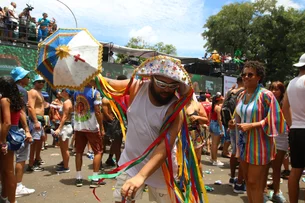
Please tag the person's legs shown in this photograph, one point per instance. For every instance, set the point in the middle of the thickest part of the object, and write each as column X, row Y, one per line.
column 80, row 144
column 198, row 152
column 296, row 143
column 293, row 184
column 245, row 166
column 116, row 148
column 96, row 143
column 39, row 37
column 8, row 177
column 22, row 155
column 64, row 148
column 215, row 143
column 276, row 170
column 32, row 154
column 255, row 181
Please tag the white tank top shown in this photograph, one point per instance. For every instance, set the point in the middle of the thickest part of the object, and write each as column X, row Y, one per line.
column 296, row 97
column 144, row 123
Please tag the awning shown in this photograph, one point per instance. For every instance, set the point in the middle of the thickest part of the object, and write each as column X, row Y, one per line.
column 147, row 53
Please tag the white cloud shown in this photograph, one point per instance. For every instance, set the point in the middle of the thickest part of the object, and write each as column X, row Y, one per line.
column 289, row 4
column 176, row 22
column 146, row 33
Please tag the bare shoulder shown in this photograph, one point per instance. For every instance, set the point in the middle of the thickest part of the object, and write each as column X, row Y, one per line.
column 32, row 92
column 105, row 101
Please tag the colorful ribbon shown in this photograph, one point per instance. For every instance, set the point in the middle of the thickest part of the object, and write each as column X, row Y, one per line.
column 191, row 184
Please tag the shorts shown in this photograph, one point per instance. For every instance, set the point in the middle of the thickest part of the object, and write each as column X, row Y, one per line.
column 66, row 132
column 297, row 149
column 215, row 128
column 23, row 153
column 155, row 194
column 94, row 138
column 36, row 134
column 11, row 25
column 281, row 142
column 233, row 140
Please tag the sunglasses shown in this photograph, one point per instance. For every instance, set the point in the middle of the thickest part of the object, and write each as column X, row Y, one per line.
column 40, row 81
column 164, row 85
column 249, row 75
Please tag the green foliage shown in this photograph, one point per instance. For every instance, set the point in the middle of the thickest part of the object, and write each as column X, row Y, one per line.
column 13, row 56
column 273, row 35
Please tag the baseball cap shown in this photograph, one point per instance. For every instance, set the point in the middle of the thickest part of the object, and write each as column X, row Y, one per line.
column 301, row 61
column 207, row 95
column 218, row 96
column 37, row 78
column 19, row 73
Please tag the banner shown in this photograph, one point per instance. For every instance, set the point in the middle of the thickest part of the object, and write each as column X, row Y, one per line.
column 228, row 82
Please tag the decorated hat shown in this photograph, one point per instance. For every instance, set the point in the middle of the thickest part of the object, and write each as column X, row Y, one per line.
column 165, row 66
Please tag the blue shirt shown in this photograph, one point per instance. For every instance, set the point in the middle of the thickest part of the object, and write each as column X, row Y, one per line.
column 45, row 22
column 84, row 113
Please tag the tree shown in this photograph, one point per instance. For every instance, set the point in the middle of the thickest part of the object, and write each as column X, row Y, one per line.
column 263, row 31
column 139, row 43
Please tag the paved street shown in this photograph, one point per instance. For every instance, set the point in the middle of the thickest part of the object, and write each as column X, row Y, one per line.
column 53, row 187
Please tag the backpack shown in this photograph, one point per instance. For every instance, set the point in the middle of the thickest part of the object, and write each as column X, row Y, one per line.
column 228, row 107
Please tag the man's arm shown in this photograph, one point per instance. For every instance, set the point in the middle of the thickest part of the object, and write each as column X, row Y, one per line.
column 32, row 94
column 286, row 110
column 105, row 107
column 117, row 84
column 98, row 113
column 28, row 136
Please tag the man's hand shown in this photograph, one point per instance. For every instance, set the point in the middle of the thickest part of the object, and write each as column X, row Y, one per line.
column 56, row 132
column 102, row 132
column 28, row 137
column 131, row 187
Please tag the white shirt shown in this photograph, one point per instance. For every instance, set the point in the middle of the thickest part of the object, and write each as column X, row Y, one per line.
column 296, row 98
column 10, row 17
column 144, row 124
column 241, row 111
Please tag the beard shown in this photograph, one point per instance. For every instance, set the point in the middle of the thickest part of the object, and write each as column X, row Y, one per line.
column 156, row 95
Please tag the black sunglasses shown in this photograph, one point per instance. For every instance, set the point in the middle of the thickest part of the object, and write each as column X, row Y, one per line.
column 40, row 81
column 249, row 75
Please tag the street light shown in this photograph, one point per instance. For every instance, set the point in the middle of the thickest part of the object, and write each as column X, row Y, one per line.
column 70, row 11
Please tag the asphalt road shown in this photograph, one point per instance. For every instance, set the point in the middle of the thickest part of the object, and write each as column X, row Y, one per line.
column 52, row 187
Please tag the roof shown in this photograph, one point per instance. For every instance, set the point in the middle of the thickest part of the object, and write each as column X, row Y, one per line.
column 147, row 53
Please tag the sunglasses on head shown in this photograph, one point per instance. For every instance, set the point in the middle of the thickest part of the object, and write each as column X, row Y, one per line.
column 40, row 81
column 249, row 75
column 164, row 85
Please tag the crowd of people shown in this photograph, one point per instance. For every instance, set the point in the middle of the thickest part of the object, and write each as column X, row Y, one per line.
column 250, row 118
column 22, row 27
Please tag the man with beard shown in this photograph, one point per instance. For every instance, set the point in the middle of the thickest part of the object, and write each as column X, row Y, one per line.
column 150, row 103
column 21, row 78
column 36, row 123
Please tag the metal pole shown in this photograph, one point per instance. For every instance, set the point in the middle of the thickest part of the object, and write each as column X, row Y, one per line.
column 70, row 11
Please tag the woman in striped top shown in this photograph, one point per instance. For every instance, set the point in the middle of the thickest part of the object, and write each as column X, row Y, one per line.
column 258, row 119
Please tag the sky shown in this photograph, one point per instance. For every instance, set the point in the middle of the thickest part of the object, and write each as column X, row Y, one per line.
column 176, row 22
